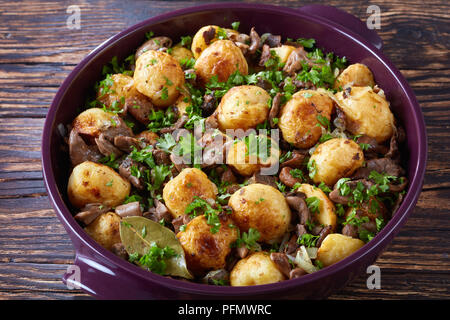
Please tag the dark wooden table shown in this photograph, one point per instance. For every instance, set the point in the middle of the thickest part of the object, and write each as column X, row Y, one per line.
column 37, row 51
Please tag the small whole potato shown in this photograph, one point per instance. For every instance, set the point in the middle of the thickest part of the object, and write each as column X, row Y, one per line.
column 92, row 182
column 263, row 208
column 93, row 121
column 158, row 76
column 327, row 212
column 357, row 75
column 243, row 107
column 367, row 113
column 198, row 41
column 222, row 58
column 245, row 162
column 179, row 192
column 105, row 229
column 336, row 158
column 181, row 54
column 300, row 116
column 283, row 52
column 147, row 136
column 205, row 250
column 255, row 269
column 121, row 87
column 336, row 247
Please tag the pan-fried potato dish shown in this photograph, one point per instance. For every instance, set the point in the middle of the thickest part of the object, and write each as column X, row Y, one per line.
column 233, row 158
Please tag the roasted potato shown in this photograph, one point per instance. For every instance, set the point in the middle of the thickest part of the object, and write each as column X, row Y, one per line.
column 356, row 75
column 158, row 76
column 179, row 192
column 92, row 182
column 205, row 250
column 105, row 229
column 327, row 212
column 93, row 121
column 367, row 113
column 336, row 247
column 182, row 103
column 300, row 116
column 120, row 88
column 283, row 52
column 181, row 54
column 198, row 41
column 147, row 136
column 222, row 58
column 246, row 162
column 243, row 107
column 255, row 270
column 335, row 159
column 263, row 208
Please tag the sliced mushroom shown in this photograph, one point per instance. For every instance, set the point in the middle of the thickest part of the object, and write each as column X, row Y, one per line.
column 106, row 147
column 126, row 144
column 129, row 209
column 282, row 262
column 155, row 43
column 90, row 212
column 79, row 151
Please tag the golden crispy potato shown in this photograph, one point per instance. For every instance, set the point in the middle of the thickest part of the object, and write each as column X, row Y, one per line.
column 255, row 270
column 93, row 121
column 105, row 229
column 327, row 212
column 181, row 54
column 205, row 250
column 336, row 247
column 243, row 107
column 92, row 182
column 247, row 163
column 261, row 207
column 179, row 192
column 198, row 41
column 301, row 114
column 157, row 76
column 335, row 159
column 182, row 103
column 357, row 75
column 283, row 52
column 367, row 112
column 222, row 58
column 149, row 137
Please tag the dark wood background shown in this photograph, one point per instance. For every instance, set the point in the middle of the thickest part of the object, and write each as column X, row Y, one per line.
column 37, row 51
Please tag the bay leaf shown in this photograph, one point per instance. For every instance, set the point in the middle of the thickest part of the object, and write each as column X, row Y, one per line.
column 138, row 234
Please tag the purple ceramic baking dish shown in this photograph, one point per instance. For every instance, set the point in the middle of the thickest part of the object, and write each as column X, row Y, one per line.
column 106, row 276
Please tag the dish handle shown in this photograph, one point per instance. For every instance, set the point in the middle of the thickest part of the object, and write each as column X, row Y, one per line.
column 346, row 20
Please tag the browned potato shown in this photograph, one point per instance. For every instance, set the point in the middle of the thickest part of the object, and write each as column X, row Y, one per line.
column 255, row 270
column 198, row 41
column 300, row 115
column 336, row 247
column 205, row 250
column 327, row 212
column 92, row 182
column 122, row 86
column 158, row 76
column 179, row 192
column 357, row 75
column 180, row 53
column 283, row 52
column 105, row 229
column 93, row 121
column 335, row 159
column 222, row 58
column 261, row 207
column 243, row 107
column 246, row 163
column 148, row 137
column 367, row 112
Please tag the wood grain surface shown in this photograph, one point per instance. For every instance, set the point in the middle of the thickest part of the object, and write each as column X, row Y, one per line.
column 37, row 51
